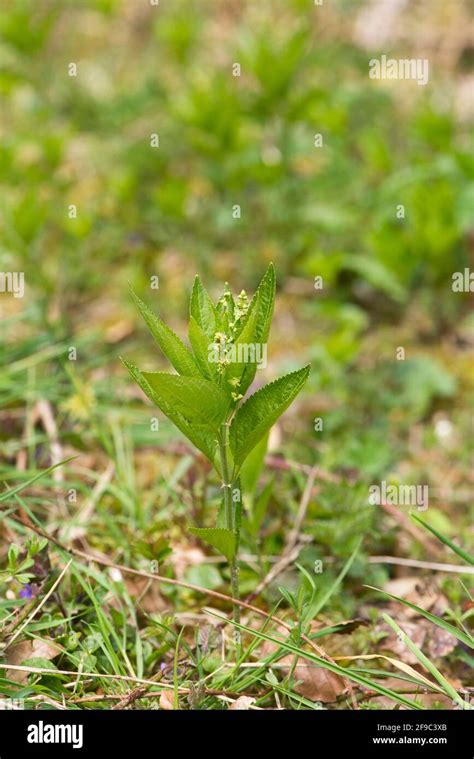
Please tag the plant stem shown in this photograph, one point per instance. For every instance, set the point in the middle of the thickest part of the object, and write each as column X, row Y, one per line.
column 226, row 477
column 230, row 522
column 234, row 575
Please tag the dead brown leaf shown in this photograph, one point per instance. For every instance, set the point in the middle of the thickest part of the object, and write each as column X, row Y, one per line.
column 349, row 625
column 440, row 642
column 166, row 700
column 393, row 644
column 318, row 684
column 243, row 703
column 419, row 591
column 27, row 649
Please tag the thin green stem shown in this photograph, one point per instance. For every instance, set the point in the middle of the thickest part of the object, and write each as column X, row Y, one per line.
column 226, row 481
column 230, row 518
column 234, row 576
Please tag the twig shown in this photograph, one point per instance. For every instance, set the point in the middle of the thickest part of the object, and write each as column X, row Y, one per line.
column 135, row 694
column 130, row 698
column 421, row 564
column 47, row 700
column 276, row 462
column 106, row 676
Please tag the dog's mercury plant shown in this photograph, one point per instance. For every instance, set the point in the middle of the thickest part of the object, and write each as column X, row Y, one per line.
column 206, row 398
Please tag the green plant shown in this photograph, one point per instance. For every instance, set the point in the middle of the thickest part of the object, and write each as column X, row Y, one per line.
column 206, row 399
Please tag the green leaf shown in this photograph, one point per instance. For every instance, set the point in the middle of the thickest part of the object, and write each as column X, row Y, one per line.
column 221, row 515
column 263, row 302
column 259, row 508
column 287, row 596
column 23, row 578
column 174, row 349
column 202, row 436
column 253, row 466
column 218, row 537
column 13, row 553
column 202, row 309
column 204, row 575
column 225, row 310
column 200, row 344
column 197, row 399
column 39, row 662
column 260, row 412
column 256, row 325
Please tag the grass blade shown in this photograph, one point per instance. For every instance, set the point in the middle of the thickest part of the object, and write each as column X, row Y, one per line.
column 13, row 491
column 459, row 634
column 447, row 542
column 425, row 662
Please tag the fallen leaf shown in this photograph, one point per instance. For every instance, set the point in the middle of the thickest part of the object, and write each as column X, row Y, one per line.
column 29, row 649
column 393, row 644
column 46, row 648
column 349, row 625
column 427, row 700
column 166, row 700
column 318, row 684
column 120, row 329
column 421, row 592
column 15, row 655
column 401, row 586
column 243, row 703
column 440, row 642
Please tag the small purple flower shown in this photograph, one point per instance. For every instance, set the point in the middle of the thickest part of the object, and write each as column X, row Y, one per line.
column 27, row 592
